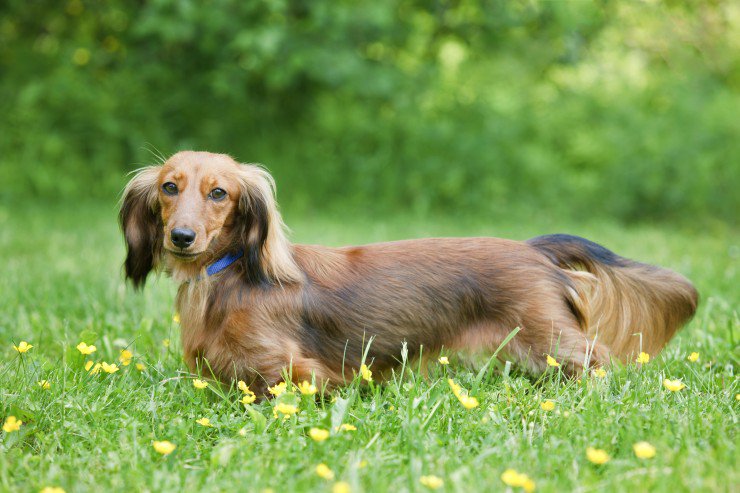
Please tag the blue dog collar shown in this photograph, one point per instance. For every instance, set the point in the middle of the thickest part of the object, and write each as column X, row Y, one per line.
column 224, row 262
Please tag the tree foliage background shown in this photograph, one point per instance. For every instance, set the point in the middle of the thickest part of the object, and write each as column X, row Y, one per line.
column 625, row 109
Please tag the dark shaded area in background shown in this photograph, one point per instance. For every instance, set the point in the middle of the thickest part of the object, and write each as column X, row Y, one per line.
column 611, row 108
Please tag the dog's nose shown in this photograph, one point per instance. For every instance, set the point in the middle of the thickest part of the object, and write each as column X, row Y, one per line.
column 182, row 237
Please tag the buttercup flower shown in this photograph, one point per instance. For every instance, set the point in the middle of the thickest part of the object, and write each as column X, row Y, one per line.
column 93, row 370
column 278, row 389
column 109, row 368
column 442, row 361
column 431, row 481
column 456, row 389
column 341, row 487
column 599, row 373
column 643, row 358
column 467, row 401
column 12, row 424
column 52, row 489
column 307, row 388
column 643, row 450
column 22, row 347
column 249, row 398
column 324, row 472
column 366, row 373
column 516, row 479
column 44, row 384
column 346, row 427
column 547, row 405
column 85, row 349
column 140, row 366
column 166, row 342
column 318, row 434
column 673, row 385
column 284, row 409
column 176, row 318
column 200, row 384
column 204, row 422
column 693, row 357
column 597, row 456
column 164, row 447
column 243, row 387
column 125, row 357
column 552, row 361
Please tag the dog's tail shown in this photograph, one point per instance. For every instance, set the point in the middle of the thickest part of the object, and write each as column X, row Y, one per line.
column 629, row 306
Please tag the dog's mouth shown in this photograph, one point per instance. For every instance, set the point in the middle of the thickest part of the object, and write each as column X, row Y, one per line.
column 184, row 255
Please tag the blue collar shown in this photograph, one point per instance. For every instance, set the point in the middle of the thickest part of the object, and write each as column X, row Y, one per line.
column 224, row 262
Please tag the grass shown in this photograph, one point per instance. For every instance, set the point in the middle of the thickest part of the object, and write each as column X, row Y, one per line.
column 62, row 283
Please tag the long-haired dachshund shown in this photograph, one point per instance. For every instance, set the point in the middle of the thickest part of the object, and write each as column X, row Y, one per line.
column 253, row 305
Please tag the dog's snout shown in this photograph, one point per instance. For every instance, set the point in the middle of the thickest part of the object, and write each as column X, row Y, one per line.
column 182, row 237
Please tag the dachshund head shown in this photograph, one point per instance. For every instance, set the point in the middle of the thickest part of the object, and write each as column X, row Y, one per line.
column 198, row 207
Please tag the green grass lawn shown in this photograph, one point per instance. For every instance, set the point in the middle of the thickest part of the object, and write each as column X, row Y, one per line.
column 61, row 283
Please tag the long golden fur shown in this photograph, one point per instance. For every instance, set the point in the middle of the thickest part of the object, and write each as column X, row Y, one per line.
column 312, row 310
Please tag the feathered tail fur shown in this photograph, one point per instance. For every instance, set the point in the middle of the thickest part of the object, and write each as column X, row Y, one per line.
column 629, row 306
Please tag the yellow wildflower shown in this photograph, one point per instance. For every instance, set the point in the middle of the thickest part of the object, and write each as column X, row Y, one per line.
column 737, row 397
column 85, row 349
column 643, row 450
column 22, row 347
column 552, row 361
column 432, row 482
column 324, row 472
column 200, row 384
column 599, row 373
column 366, row 373
column 176, row 318
column 346, row 427
column 597, row 455
column 109, row 368
column 140, row 366
column 456, row 389
column 318, row 434
column 125, row 357
column 93, row 370
column 278, row 389
column 467, row 401
column 442, row 361
column 204, row 422
column 307, row 388
column 44, row 384
column 693, row 357
column 164, row 447
column 285, row 409
column 643, row 358
column 673, row 385
column 516, row 479
column 341, row 487
column 52, row 489
column 249, row 398
column 166, row 342
column 12, row 424
column 547, row 405
column 243, row 387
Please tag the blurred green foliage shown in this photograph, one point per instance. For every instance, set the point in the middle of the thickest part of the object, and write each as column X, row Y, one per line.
column 620, row 108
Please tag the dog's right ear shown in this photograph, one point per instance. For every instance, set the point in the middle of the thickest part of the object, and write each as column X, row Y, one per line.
column 141, row 224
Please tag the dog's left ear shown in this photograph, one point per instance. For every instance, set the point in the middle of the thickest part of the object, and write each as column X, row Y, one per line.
column 141, row 224
column 268, row 255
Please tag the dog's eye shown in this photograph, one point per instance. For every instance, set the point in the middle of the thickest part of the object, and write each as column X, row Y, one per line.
column 169, row 188
column 217, row 194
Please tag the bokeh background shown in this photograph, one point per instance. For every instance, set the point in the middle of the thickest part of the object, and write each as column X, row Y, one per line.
column 627, row 110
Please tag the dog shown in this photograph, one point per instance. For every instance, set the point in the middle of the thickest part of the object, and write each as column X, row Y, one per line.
column 254, row 306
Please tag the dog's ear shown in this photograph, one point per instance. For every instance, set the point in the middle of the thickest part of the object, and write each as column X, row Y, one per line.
column 141, row 225
column 268, row 255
